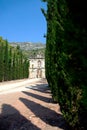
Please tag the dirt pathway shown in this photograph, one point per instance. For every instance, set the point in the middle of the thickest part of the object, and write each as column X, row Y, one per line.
column 29, row 107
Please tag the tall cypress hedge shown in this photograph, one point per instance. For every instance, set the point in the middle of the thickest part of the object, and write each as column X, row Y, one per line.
column 13, row 63
column 66, row 62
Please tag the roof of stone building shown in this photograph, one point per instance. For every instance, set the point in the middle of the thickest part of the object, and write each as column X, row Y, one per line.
column 38, row 56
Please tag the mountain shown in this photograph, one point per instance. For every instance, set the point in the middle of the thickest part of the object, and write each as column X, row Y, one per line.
column 28, row 45
column 31, row 50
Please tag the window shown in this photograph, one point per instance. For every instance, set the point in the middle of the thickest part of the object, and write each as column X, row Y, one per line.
column 39, row 63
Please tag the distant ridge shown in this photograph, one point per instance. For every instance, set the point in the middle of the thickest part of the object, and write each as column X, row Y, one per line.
column 28, row 45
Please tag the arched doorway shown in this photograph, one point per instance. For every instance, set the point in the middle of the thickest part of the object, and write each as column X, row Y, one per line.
column 39, row 73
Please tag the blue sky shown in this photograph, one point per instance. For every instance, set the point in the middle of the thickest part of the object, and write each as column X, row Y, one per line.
column 22, row 20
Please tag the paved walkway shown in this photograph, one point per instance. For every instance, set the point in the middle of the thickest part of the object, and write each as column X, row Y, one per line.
column 10, row 85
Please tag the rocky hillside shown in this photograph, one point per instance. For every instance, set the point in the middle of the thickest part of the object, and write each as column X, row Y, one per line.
column 31, row 50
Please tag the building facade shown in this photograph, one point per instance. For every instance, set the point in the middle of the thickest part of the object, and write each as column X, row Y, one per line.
column 37, row 67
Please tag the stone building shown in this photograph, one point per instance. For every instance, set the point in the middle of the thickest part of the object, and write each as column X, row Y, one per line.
column 37, row 67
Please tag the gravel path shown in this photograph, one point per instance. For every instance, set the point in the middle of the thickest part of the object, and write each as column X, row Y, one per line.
column 27, row 105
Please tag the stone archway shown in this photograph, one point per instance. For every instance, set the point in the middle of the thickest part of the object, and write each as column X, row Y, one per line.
column 39, row 73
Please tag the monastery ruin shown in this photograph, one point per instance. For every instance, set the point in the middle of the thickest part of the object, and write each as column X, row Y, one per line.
column 37, row 67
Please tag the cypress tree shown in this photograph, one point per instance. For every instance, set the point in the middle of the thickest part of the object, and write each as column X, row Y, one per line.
column 66, row 57
column 1, row 61
column 6, row 61
column 13, row 64
column 10, row 64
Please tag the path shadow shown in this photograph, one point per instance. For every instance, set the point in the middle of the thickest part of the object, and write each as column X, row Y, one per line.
column 47, row 115
column 11, row 119
column 43, row 88
column 42, row 98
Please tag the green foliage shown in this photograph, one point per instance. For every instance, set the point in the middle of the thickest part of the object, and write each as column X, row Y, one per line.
column 13, row 63
column 34, row 53
column 66, row 62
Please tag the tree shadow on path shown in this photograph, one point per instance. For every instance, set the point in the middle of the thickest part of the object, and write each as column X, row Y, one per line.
column 40, row 88
column 42, row 98
column 11, row 119
column 47, row 115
